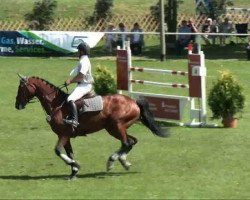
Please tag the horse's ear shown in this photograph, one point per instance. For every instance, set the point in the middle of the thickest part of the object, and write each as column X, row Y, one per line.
column 22, row 78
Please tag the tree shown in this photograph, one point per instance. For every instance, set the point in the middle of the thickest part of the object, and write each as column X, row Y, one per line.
column 214, row 8
column 42, row 15
column 217, row 7
column 103, row 9
column 170, row 8
column 171, row 20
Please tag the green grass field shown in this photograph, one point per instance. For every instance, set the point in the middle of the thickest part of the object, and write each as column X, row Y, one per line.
column 194, row 163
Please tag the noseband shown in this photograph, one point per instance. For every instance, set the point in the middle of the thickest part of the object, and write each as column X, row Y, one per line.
column 25, row 83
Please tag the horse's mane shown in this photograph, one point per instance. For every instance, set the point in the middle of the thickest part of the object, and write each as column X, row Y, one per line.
column 50, row 84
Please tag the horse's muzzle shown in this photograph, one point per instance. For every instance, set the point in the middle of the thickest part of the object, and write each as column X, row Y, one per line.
column 19, row 106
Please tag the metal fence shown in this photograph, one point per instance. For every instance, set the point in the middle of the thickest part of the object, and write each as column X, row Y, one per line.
column 146, row 21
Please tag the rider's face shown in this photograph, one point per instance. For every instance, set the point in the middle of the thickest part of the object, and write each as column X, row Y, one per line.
column 80, row 53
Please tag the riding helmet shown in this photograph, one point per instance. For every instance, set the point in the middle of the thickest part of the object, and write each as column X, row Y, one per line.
column 84, row 47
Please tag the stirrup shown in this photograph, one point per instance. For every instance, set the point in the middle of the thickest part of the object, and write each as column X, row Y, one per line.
column 72, row 122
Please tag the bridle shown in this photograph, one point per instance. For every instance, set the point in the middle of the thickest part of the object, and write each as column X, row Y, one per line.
column 25, row 82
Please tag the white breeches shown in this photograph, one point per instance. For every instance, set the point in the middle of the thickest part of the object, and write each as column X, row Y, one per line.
column 80, row 90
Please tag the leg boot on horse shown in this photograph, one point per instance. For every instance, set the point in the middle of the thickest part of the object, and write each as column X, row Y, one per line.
column 122, row 153
column 74, row 165
column 64, row 142
column 125, row 150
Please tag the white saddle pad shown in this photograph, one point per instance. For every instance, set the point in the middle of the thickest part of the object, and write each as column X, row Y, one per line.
column 92, row 104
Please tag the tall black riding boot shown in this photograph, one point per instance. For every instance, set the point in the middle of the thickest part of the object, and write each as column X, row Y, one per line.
column 73, row 120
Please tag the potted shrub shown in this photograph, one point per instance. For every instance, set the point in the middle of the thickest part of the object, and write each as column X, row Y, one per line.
column 104, row 81
column 226, row 99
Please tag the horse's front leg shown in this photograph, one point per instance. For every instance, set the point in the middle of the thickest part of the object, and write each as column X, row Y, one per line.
column 74, row 166
column 62, row 142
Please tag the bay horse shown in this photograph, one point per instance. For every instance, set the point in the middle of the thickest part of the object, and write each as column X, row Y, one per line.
column 119, row 113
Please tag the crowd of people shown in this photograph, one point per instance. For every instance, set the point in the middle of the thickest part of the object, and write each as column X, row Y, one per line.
column 210, row 26
column 184, row 40
column 113, row 40
column 187, row 26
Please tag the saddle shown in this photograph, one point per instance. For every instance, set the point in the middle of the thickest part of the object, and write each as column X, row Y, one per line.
column 89, row 103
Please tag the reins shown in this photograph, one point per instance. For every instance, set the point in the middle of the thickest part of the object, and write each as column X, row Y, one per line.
column 49, row 117
column 64, row 85
column 52, row 112
column 35, row 99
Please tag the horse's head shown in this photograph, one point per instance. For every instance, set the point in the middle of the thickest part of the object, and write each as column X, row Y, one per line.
column 26, row 91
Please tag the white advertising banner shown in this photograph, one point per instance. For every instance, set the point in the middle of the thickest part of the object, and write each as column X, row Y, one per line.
column 69, row 40
column 45, row 43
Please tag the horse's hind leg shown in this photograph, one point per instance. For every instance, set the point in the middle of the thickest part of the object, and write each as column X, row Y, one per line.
column 125, row 149
column 121, row 155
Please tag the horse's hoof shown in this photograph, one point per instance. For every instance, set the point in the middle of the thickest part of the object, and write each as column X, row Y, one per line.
column 126, row 165
column 74, row 170
column 71, row 178
column 110, row 165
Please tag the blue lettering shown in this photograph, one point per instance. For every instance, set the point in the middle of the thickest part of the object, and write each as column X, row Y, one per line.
column 5, row 40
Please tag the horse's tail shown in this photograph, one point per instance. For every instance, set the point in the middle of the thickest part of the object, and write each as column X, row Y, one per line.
column 147, row 119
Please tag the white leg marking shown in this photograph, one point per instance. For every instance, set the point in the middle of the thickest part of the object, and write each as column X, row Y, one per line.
column 111, row 160
column 66, row 158
column 124, row 162
column 115, row 156
column 75, row 169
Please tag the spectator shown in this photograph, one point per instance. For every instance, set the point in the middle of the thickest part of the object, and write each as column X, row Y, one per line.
column 248, row 50
column 207, row 28
column 121, row 37
column 183, row 40
column 214, row 29
column 225, row 27
column 193, row 29
column 109, row 39
column 137, row 41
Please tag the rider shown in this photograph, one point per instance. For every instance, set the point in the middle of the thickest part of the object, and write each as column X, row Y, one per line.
column 83, row 77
